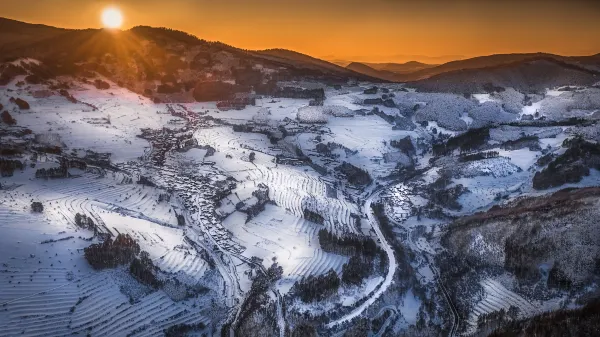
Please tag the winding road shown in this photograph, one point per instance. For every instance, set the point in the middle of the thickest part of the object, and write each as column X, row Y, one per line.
column 392, row 269
column 389, row 277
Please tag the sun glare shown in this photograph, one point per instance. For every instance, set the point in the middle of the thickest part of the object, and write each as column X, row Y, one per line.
column 112, row 18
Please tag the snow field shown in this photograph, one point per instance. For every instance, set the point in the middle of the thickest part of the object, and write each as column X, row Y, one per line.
column 112, row 128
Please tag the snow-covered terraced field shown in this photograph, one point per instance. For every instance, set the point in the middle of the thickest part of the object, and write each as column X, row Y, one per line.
column 495, row 298
column 293, row 241
column 292, row 188
column 96, row 305
column 49, row 289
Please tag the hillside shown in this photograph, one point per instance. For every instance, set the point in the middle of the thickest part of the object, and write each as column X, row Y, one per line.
column 15, row 34
column 139, row 57
column 412, row 71
column 476, row 62
column 574, row 322
column 305, row 61
column 530, row 75
column 395, row 72
column 505, row 70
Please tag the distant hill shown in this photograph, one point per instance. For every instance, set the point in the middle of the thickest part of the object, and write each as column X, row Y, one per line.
column 400, row 68
column 473, row 63
column 369, row 71
column 390, row 71
column 292, row 57
column 526, row 75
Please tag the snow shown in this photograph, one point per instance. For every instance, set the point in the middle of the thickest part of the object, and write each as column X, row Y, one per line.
column 44, row 282
column 53, row 277
column 196, row 155
column 389, row 277
column 497, row 297
column 79, row 126
column 23, row 61
column 410, row 307
column 531, row 109
column 293, row 241
column 523, row 158
column 553, row 92
column 482, row 98
column 311, row 114
column 350, row 296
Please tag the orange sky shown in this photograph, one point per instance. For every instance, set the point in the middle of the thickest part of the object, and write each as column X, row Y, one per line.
column 360, row 30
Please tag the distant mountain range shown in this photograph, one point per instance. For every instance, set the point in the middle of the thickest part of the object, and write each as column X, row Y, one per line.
column 139, row 57
column 525, row 72
column 394, row 72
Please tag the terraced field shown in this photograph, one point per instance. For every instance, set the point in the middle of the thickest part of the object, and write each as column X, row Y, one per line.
column 48, row 289
column 495, row 298
column 293, row 241
column 292, row 188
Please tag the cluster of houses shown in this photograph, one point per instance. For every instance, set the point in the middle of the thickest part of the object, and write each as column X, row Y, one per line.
column 165, row 140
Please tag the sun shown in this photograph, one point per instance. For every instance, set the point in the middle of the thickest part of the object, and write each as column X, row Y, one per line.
column 112, row 18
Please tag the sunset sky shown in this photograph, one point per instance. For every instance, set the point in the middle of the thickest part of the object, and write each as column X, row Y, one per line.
column 358, row 30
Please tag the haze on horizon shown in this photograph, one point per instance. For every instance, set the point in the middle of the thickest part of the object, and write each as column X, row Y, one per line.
column 433, row 31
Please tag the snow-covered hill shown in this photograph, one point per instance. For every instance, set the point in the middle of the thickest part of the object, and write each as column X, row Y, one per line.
column 292, row 212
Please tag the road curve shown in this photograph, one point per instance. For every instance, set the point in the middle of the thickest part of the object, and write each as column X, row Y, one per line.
column 389, row 277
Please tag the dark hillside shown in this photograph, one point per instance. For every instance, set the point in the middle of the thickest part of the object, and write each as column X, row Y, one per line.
column 532, row 75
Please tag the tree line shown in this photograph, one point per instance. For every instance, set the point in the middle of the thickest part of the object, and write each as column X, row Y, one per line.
column 478, row 156
column 316, row 288
column 112, row 253
column 313, row 216
column 121, row 251
column 349, row 244
column 8, row 166
column 468, row 141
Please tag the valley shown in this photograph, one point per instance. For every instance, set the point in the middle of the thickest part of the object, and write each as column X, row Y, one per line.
column 222, row 192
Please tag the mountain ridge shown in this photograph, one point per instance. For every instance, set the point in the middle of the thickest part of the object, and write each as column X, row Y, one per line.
column 66, row 47
column 99, row 41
